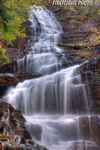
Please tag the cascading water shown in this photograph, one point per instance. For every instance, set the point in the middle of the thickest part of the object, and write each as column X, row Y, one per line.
column 47, row 32
column 53, row 104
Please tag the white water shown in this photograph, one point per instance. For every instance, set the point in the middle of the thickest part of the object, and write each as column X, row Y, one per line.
column 51, row 104
column 49, row 94
column 45, row 63
column 46, row 31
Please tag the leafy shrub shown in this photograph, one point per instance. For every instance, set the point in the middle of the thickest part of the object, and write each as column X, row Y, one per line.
column 3, row 59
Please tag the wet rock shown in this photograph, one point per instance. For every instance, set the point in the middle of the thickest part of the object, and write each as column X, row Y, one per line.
column 9, row 80
column 25, row 76
column 27, row 26
column 6, row 80
column 4, row 128
column 23, row 133
column 90, row 72
column 8, row 68
column 18, row 116
column 35, row 130
column 82, row 129
column 7, row 77
column 13, row 133
column 90, row 128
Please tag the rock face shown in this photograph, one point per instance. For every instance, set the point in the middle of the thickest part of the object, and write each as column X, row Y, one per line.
column 7, row 80
column 79, row 33
column 13, row 133
column 19, row 47
column 91, row 77
column 26, row 76
column 8, row 68
column 78, row 42
column 90, row 128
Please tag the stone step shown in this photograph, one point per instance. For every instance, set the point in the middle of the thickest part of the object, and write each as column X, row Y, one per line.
column 67, row 28
column 75, row 33
column 74, row 37
column 73, row 40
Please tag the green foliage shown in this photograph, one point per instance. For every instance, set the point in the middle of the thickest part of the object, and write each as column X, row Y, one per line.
column 2, row 51
column 85, row 10
column 92, row 11
column 43, row 6
column 12, row 15
column 3, row 59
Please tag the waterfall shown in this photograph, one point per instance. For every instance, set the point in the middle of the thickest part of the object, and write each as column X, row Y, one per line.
column 46, row 31
column 53, row 105
column 56, row 93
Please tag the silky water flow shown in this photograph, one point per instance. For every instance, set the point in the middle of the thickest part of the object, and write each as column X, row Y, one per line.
column 54, row 104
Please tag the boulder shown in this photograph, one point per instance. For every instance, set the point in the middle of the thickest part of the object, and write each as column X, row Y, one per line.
column 13, row 133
